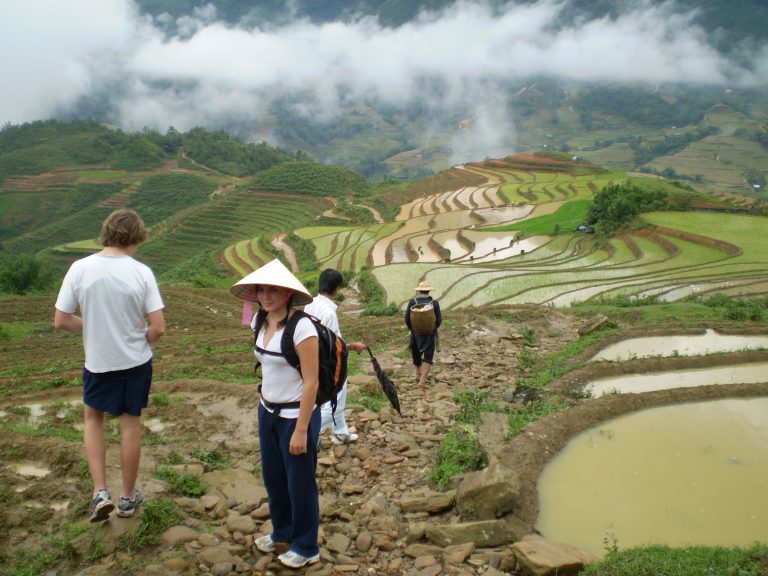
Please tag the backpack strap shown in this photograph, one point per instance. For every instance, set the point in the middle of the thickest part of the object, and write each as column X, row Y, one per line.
column 287, row 347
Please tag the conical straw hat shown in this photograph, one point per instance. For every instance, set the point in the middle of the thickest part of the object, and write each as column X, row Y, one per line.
column 271, row 274
column 423, row 286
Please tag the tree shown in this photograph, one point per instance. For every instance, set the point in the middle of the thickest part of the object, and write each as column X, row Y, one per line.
column 20, row 274
column 617, row 204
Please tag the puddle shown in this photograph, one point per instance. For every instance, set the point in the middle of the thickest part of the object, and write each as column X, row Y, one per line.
column 36, row 412
column 68, row 407
column 732, row 374
column 683, row 475
column 710, row 342
column 30, row 469
column 154, row 424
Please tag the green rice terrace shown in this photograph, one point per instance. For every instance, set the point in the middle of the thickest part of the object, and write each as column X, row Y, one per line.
column 514, row 240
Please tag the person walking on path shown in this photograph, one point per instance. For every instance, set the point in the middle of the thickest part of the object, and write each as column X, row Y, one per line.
column 114, row 292
column 289, row 423
column 423, row 345
column 324, row 309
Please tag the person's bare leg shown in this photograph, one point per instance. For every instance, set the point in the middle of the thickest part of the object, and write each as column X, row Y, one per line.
column 418, row 373
column 425, row 369
column 130, row 452
column 95, row 447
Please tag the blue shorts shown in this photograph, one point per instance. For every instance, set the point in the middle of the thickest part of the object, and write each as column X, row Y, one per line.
column 118, row 392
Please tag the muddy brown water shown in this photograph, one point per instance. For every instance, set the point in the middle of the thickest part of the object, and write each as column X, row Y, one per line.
column 711, row 342
column 688, row 474
column 635, row 383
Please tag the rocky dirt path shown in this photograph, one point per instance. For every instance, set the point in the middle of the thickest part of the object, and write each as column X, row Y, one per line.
column 380, row 514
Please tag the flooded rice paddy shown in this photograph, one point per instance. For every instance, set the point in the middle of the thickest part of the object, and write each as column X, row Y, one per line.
column 688, row 474
column 710, row 342
column 636, row 383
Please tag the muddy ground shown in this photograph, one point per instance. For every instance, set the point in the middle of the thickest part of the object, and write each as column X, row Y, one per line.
column 204, row 400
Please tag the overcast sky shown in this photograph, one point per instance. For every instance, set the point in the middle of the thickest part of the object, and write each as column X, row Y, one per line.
column 56, row 52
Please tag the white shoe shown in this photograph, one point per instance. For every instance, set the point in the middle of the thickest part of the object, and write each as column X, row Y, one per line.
column 339, row 439
column 293, row 559
column 265, row 544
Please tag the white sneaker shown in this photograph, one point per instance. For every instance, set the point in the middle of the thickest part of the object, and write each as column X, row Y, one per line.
column 265, row 544
column 293, row 559
column 102, row 506
column 339, row 439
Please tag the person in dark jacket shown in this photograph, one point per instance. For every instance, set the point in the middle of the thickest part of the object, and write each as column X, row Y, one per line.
column 423, row 345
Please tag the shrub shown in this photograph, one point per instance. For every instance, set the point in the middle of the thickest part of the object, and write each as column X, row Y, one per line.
column 471, row 404
column 519, row 418
column 390, row 309
column 459, row 452
column 22, row 274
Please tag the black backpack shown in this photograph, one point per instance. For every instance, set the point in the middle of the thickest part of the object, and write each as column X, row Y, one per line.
column 332, row 356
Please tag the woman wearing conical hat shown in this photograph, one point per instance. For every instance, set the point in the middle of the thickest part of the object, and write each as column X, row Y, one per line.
column 289, row 420
column 421, row 343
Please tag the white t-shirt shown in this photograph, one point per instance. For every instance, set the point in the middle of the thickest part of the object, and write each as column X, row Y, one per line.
column 113, row 294
column 280, row 382
column 324, row 309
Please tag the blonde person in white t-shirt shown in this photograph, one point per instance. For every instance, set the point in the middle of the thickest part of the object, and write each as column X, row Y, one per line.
column 289, row 420
column 114, row 293
column 324, row 309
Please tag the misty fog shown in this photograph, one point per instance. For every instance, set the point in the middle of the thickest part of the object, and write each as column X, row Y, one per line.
column 58, row 56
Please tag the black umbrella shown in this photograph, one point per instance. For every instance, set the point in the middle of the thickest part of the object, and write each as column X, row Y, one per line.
column 386, row 383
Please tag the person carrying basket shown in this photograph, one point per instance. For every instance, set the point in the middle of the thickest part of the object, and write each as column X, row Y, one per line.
column 423, row 318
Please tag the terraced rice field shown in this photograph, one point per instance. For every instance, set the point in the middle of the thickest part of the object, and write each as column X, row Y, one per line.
column 445, row 239
column 636, row 265
column 721, row 159
column 688, row 252
column 448, row 227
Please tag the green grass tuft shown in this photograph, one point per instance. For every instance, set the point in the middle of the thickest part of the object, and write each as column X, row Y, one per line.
column 693, row 561
column 181, row 482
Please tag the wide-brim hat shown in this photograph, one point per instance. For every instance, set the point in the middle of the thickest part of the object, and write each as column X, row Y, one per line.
column 423, row 286
column 273, row 273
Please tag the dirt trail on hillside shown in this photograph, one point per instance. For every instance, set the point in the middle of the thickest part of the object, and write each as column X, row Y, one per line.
column 279, row 243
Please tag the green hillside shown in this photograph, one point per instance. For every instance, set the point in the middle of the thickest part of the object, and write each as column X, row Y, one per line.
column 312, row 179
column 41, row 146
column 200, row 192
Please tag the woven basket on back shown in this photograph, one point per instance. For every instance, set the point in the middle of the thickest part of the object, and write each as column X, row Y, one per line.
column 423, row 319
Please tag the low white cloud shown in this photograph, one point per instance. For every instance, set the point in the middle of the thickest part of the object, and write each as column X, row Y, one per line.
column 52, row 51
column 57, row 52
